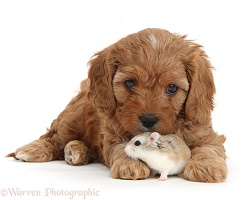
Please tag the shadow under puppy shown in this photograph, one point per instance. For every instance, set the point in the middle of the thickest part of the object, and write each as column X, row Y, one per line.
column 153, row 81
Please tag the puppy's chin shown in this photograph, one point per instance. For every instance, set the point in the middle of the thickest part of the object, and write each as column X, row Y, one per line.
column 143, row 129
column 138, row 130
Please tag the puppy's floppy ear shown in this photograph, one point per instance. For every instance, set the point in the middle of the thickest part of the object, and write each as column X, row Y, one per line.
column 199, row 103
column 101, row 74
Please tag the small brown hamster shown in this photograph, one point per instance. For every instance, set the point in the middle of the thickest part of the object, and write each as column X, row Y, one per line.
column 164, row 154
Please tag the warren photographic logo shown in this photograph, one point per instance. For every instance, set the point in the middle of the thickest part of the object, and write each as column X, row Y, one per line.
column 50, row 192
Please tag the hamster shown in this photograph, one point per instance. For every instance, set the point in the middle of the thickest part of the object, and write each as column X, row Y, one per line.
column 164, row 154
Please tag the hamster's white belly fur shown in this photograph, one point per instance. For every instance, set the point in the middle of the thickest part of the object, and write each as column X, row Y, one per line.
column 162, row 163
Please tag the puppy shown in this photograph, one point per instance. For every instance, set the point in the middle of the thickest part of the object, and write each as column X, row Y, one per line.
column 151, row 80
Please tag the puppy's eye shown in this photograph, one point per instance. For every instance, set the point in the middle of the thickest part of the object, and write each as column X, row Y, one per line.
column 137, row 143
column 129, row 83
column 171, row 89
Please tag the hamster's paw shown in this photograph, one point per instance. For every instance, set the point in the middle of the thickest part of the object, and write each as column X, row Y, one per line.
column 129, row 169
column 76, row 153
column 162, row 178
column 36, row 151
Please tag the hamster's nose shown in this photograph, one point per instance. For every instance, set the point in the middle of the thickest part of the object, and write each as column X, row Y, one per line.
column 148, row 120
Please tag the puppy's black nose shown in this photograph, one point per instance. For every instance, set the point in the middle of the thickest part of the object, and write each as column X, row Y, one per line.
column 148, row 120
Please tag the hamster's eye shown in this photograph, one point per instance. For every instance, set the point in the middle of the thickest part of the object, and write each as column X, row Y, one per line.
column 137, row 143
column 171, row 89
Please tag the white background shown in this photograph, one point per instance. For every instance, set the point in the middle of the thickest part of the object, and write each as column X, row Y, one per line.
column 44, row 50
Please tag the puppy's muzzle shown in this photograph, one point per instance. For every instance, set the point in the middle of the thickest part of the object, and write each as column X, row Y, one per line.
column 148, row 120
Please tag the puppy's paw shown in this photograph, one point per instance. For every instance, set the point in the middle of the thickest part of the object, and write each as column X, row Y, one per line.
column 36, row 151
column 22, row 155
column 129, row 169
column 76, row 153
column 211, row 170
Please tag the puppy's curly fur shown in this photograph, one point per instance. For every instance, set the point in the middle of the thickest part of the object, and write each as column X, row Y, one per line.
column 151, row 80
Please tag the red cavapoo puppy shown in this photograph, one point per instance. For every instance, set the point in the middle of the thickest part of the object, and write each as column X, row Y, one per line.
column 151, row 80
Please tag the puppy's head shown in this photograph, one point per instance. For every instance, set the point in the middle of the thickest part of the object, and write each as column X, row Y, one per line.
column 151, row 79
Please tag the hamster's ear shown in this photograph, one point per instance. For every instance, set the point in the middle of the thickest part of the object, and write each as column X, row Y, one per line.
column 153, row 137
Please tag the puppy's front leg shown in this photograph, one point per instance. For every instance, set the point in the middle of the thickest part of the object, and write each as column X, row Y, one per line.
column 206, row 165
column 68, row 126
column 208, row 161
column 121, row 166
